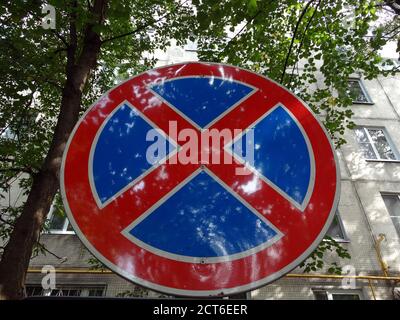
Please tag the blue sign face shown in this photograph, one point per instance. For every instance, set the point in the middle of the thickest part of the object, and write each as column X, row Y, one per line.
column 200, row 169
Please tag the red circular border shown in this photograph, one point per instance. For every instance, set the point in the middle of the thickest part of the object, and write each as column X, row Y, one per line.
column 100, row 229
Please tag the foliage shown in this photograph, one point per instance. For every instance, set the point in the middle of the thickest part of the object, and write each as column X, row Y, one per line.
column 140, row 292
column 318, row 259
column 136, row 292
column 297, row 42
column 95, row 264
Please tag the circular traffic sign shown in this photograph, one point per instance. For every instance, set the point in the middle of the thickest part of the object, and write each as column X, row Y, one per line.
column 200, row 179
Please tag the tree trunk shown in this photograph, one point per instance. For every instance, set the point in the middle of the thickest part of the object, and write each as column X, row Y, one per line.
column 17, row 253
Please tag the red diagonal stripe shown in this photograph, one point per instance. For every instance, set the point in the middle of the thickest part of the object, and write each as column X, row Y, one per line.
column 247, row 112
column 147, row 192
column 258, row 194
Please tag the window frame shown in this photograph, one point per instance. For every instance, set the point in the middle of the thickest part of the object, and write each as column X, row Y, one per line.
column 65, row 226
column 395, row 61
column 345, row 238
column 331, row 292
column 364, row 91
column 238, row 296
column 371, row 142
column 392, row 194
column 84, row 289
column 191, row 46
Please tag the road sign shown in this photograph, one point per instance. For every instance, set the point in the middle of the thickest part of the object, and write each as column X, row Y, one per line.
column 200, row 227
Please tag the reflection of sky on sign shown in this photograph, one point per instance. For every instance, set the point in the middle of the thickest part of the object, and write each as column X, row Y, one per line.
column 252, row 186
column 280, row 154
column 201, row 99
column 203, row 219
column 118, row 157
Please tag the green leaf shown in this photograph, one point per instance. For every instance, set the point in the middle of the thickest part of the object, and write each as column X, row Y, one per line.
column 252, row 6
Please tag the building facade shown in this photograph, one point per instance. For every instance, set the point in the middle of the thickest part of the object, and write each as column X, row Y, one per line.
column 367, row 223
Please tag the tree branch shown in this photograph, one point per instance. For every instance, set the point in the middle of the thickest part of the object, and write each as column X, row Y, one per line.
column 6, row 159
column 73, row 38
column 6, row 222
column 142, row 27
column 59, row 36
column 294, row 37
column 304, row 36
column 2, row 130
column 55, row 84
column 239, row 32
column 43, row 247
column 394, row 5
column 18, row 169
column 139, row 28
column 24, row 111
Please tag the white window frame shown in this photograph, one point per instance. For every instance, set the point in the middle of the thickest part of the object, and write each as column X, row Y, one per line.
column 372, row 143
column 191, row 46
column 64, row 228
column 364, row 91
column 345, row 238
column 390, row 194
column 331, row 292
column 246, row 294
column 396, row 64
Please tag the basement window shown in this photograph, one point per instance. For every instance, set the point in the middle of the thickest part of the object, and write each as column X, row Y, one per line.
column 66, row 291
column 321, row 294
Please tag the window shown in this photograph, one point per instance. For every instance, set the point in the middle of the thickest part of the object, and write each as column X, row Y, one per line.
column 389, row 64
column 375, row 144
column 34, row 291
column 66, row 291
column 191, row 46
column 321, row 294
column 238, row 296
column 58, row 222
column 336, row 229
column 392, row 202
column 357, row 91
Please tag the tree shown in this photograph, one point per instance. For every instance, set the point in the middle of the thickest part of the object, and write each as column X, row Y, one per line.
column 50, row 76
